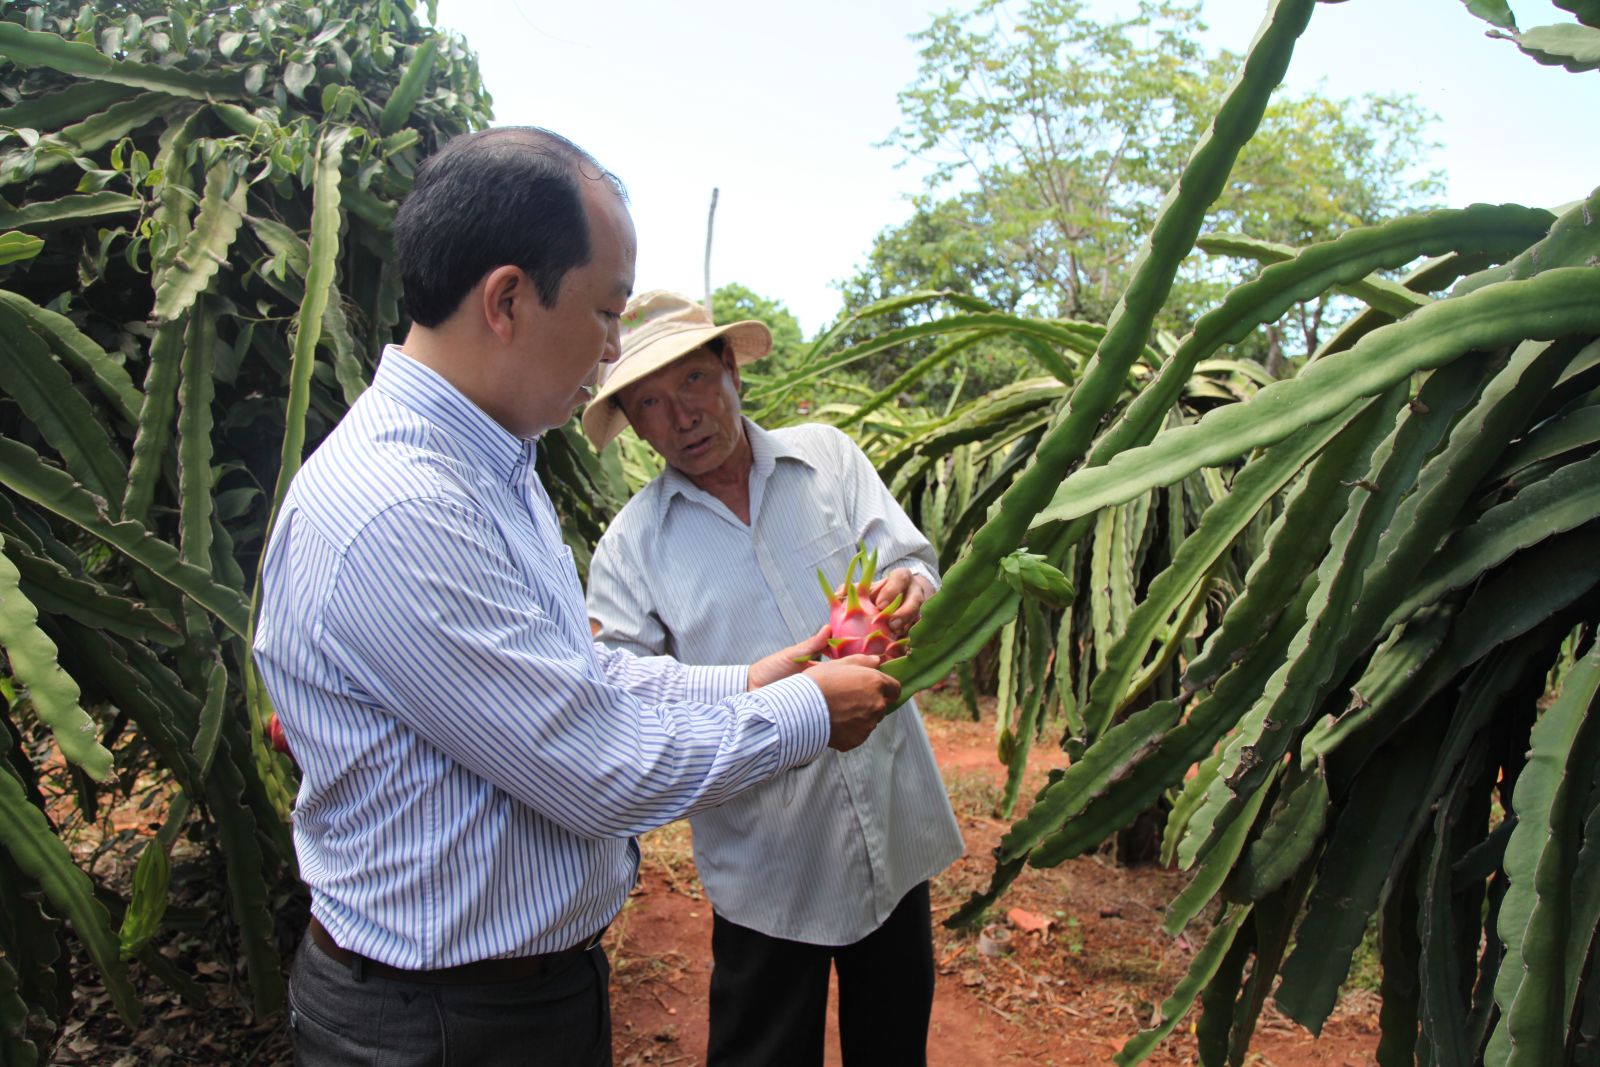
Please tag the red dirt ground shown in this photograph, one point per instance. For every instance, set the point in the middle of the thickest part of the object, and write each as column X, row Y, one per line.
column 1068, row 995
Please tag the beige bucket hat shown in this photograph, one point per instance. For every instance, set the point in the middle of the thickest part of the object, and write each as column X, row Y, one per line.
column 657, row 328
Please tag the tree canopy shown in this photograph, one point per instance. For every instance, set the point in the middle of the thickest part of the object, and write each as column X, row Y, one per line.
column 1053, row 136
column 733, row 302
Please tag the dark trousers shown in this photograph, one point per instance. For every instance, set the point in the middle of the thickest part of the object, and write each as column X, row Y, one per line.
column 339, row 1019
column 769, row 997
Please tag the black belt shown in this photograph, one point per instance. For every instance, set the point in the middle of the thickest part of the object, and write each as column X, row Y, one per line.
column 479, row 972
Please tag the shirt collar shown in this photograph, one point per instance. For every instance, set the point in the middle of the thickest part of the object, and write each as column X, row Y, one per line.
column 766, row 449
column 424, row 391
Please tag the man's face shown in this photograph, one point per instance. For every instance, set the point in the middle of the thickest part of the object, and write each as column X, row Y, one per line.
column 553, row 365
column 689, row 411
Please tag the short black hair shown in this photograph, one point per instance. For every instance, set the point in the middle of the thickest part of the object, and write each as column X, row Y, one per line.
column 506, row 196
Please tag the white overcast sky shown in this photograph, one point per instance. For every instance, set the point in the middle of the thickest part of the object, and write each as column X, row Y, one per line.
column 779, row 105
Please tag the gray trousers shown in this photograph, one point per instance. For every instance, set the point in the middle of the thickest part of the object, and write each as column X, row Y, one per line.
column 338, row 1019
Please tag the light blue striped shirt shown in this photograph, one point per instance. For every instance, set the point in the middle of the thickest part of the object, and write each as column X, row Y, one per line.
column 823, row 853
column 473, row 766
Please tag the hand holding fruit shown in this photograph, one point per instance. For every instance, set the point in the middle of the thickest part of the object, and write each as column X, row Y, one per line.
column 858, row 697
column 871, row 618
column 857, row 694
column 859, row 636
column 788, row 661
column 908, row 587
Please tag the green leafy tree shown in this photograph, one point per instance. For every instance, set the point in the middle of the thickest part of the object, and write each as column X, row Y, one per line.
column 945, row 246
column 1053, row 137
column 789, row 354
column 734, row 302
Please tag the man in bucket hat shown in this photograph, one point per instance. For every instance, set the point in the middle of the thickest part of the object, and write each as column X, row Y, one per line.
column 827, row 865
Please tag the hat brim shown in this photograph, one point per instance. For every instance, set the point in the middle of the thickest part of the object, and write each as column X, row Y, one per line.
column 602, row 420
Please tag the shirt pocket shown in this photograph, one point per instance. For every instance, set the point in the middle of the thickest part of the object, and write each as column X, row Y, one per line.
column 830, row 552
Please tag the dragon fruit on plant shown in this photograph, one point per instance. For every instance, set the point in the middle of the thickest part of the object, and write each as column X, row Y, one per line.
column 855, row 624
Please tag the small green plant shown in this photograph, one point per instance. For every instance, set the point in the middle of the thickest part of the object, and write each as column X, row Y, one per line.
column 1366, row 965
column 943, row 704
column 1071, row 937
column 972, row 793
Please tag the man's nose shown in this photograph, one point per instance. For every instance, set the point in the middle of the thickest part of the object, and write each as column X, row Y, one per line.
column 613, row 349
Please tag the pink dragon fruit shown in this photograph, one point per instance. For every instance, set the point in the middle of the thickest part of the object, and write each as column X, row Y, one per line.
column 855, row 624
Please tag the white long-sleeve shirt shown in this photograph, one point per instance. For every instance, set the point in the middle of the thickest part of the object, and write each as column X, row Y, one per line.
column 821, row 854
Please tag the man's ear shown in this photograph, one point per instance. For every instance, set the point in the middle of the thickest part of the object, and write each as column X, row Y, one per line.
column 502, row 294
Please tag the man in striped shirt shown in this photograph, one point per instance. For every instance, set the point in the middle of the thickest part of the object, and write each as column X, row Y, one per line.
column 827, row 866
column 473, row 767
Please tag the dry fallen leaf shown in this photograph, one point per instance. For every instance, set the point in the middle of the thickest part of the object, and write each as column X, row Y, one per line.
column 1028, row 922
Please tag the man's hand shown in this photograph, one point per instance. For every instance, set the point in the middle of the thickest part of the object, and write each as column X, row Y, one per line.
column 857, row 693
column 913, row 587
column 858, row 696
column 787, row 662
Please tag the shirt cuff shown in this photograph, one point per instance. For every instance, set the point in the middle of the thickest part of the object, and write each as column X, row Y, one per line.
column 713, row 685
column 801, row 714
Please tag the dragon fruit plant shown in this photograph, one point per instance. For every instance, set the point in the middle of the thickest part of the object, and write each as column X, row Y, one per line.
column 855, row 624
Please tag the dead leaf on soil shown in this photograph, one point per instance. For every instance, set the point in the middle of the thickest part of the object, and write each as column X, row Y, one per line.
column 949, row 957
column 1028, row 922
